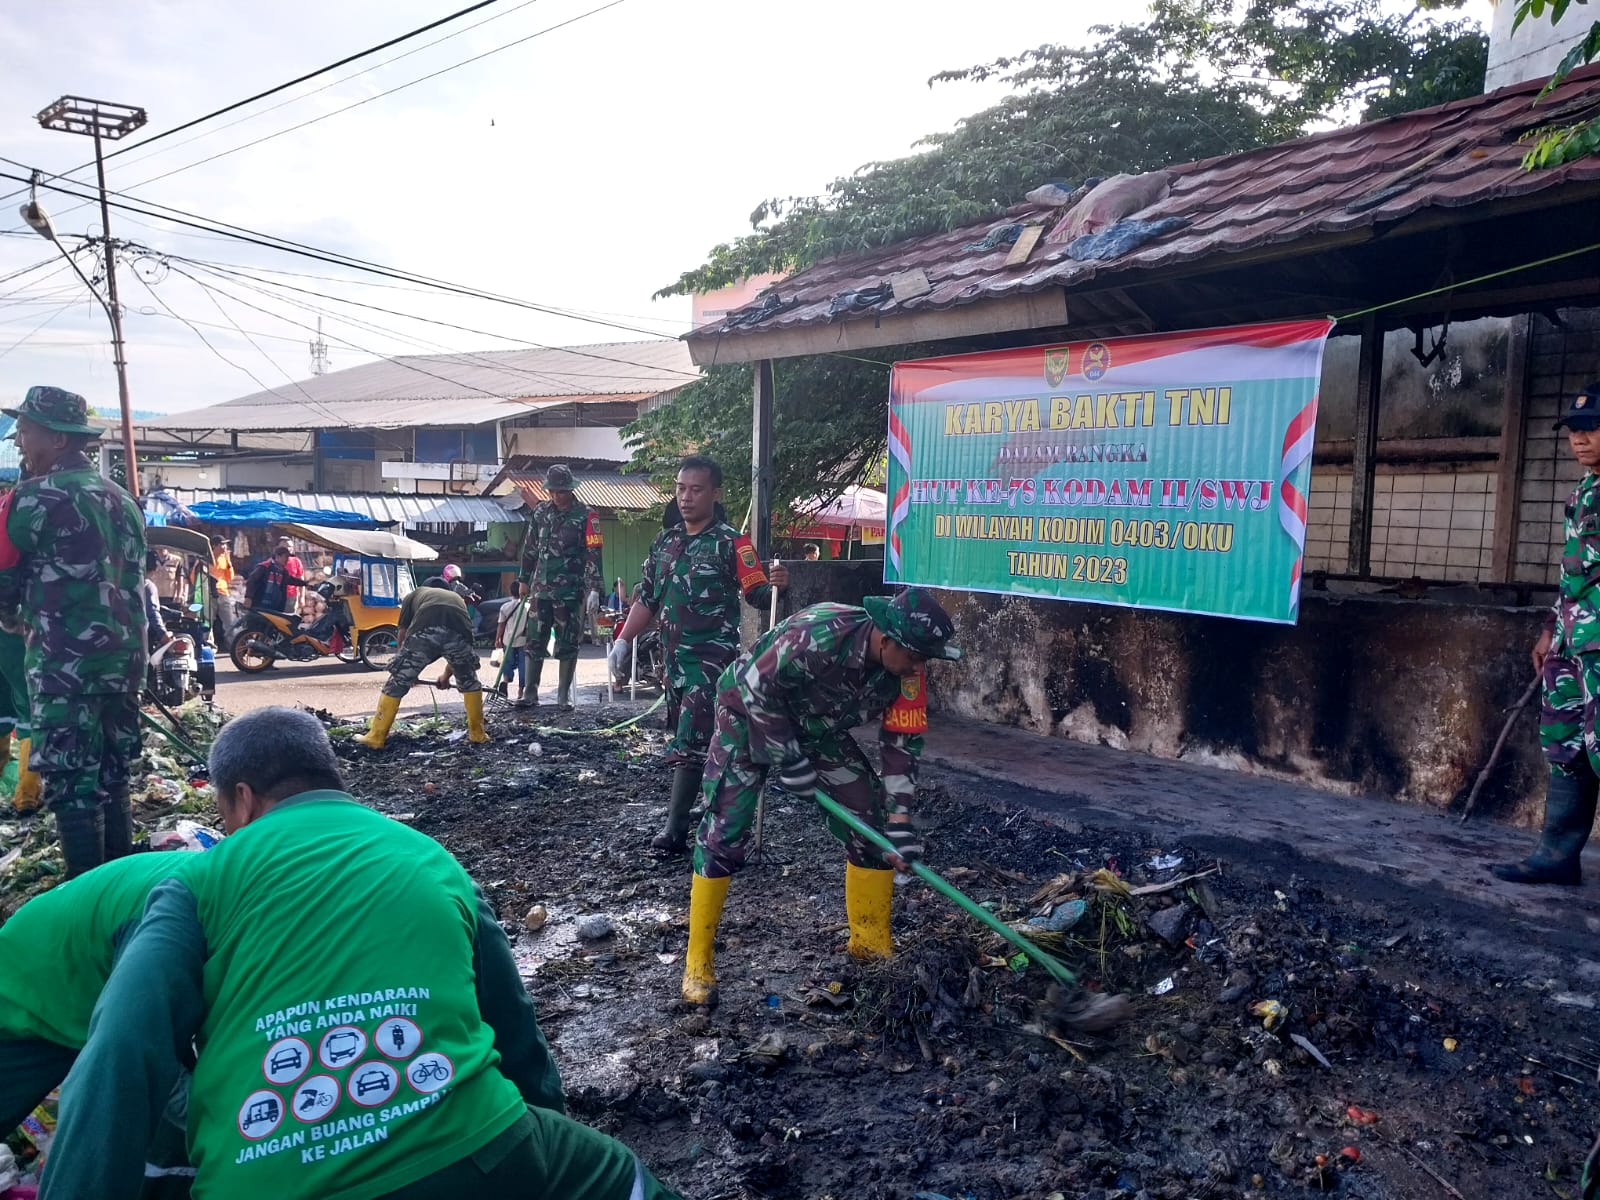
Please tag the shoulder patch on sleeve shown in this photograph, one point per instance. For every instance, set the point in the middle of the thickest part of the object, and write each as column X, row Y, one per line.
column 592, row 537
column 751, row 574
column 909, row 712
column 10, row 556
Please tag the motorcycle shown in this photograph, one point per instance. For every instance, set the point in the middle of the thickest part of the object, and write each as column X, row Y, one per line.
column 262, row 637
column 186, row 665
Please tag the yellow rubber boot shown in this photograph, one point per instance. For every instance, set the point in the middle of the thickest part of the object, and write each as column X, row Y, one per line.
column 868, row 896
column 26, row 799
column 706, row 897
column 382, row 721
column 475, row 730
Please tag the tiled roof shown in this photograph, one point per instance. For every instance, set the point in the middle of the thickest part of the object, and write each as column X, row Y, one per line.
column 1332, row 186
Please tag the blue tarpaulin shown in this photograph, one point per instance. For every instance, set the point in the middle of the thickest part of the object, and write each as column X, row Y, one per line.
column 259, row 513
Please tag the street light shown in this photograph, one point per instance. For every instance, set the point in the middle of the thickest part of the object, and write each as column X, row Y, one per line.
column 102, row 121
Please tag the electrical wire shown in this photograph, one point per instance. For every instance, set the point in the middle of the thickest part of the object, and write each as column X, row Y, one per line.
column 272, row 91
column 204, row 340
column 38, row 327
column 289, row 246
column 548, row 377
column 378, row 96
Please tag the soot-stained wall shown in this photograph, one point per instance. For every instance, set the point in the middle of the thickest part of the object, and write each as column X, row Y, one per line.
column 1370, row 694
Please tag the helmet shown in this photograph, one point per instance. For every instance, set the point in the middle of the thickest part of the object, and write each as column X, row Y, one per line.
column 452, row 571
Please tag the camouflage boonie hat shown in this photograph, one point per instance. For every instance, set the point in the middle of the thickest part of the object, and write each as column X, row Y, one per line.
column 915, row 620
column 1582, row 412
column 558, row 478
column 55, row 408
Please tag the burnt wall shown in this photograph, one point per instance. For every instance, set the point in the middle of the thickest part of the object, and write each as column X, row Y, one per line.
column 1372, row 694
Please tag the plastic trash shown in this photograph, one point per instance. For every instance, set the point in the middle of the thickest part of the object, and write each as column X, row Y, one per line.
column 1062, row 917
column 186, row 835
column 1271, row 1012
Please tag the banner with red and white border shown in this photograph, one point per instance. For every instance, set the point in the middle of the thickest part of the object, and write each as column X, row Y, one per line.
column 1166, row 471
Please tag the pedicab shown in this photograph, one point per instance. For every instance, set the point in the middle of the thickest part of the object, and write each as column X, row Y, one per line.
column 363, row 588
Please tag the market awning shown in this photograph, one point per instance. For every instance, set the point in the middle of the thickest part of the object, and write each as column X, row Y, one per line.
column 260, row 513
column 369, row 543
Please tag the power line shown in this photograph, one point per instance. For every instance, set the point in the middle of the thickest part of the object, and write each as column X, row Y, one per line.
column 37, row 328
column 210, row 288
column 289, row 246
column 272, row 91
column 364, row 100
column 548, row 376
column 205, row 340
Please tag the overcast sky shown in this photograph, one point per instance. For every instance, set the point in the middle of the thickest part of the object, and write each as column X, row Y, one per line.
column 583, row 169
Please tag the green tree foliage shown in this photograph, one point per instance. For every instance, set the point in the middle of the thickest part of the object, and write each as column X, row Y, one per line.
column 828, row 427
column 1199, row 78
column 1557, row 144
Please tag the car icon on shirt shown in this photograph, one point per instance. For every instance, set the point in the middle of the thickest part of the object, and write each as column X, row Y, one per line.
column 287, row 1059
column 375, row 1080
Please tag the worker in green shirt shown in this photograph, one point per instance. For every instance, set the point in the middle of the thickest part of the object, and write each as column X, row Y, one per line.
column 67, row 938
column 361, row 1027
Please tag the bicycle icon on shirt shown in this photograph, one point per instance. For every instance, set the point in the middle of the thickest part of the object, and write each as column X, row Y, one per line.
column 429, row 1069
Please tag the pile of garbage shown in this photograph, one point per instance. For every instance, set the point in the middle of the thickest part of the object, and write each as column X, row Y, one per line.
column 171, row 801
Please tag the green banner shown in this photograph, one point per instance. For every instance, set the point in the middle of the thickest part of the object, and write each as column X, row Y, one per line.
column 1167, row 471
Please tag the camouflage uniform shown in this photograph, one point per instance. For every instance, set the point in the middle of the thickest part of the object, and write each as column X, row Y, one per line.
column 692, row 583
column 436, row 624
column 795, row 694
column 76, row 588
column 561, row 562
column 1571, row 677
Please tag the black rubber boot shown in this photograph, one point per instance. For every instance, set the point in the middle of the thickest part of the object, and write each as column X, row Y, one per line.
column 118, row 821
column 568, row 668
column 673, row 838
column 83, row 839
column 528, row 697
column 1568, row 816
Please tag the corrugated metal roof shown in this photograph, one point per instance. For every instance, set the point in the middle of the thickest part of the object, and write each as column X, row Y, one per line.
column 452, row 389
column 598, row 489
column 409, row 511
column 1452, row 156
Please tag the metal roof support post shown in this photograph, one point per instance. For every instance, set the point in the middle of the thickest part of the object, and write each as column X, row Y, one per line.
column 1513, row 439
column 761, row 461
column 1363, row 468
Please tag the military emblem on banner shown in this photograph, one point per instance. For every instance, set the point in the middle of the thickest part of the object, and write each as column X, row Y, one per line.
column 1096, row 360
column 1055, row 366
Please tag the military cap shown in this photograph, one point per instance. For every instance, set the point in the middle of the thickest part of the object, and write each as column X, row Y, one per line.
column 558, row 478
column 915, row 620
column 57, row 409
column 1582, row 412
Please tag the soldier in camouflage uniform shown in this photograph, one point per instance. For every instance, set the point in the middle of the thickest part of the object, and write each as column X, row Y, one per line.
column 434, row 623
column 788, row 704
column 692, row 580
column 561, row 564
column 1567, row 657
column 72, row 552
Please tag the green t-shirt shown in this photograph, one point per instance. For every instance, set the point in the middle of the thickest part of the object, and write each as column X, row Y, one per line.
column 57, row 949
column 343, row 1053
column 435, row 608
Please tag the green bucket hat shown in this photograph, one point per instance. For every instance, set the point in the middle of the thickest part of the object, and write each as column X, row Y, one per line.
column 57, row 409
column 915, row 620
column 558, row 478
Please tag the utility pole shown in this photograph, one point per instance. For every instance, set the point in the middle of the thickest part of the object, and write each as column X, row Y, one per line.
column 319, row 353
column 104, row 121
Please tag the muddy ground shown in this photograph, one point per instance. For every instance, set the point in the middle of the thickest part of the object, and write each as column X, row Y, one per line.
column 937, row 1074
